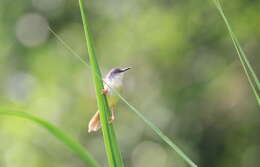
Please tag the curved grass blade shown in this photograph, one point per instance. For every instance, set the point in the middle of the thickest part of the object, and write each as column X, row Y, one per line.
column 69, row 142
column 109, row 137
column 138, row 113
column 241, row 55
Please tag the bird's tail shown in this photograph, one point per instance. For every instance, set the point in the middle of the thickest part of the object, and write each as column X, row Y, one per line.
column 94, row 124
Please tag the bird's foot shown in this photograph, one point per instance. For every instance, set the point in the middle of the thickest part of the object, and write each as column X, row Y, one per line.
column 104, row 92
column 112, row 118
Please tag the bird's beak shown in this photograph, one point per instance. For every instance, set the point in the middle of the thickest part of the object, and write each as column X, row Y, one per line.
column 125, row 69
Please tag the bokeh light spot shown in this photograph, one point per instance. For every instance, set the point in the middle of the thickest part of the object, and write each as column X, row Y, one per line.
column 19, row 86
column 32, row 30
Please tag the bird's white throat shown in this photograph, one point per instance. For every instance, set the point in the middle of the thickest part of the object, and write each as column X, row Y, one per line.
column 115, row 81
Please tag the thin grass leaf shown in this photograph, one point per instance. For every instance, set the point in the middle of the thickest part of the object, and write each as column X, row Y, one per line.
column 138, row 113
column 241, row 55
column 60, row 135
column 109, row 137
column 157, row 131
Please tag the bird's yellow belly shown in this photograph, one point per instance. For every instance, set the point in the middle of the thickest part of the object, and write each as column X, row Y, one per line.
column 112, row 97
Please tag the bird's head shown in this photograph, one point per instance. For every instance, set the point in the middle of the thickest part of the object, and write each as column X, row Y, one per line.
column 117, row 72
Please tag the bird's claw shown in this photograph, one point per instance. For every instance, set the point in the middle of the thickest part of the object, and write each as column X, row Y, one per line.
column 112, row 118
column 104, row 92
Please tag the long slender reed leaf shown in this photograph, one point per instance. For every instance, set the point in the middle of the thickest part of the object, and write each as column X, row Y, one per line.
column 60, row 135
column 111, row 145
column 138, row 113
column 241, row 55
column 157, row 131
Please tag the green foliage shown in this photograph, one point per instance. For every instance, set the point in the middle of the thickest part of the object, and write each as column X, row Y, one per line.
column 59, row 134
column 184, row 80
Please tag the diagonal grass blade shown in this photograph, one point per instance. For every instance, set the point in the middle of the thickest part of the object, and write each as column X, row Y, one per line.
column 241, row 55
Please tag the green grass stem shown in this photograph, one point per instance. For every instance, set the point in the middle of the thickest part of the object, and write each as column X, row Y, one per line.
column 109, row 137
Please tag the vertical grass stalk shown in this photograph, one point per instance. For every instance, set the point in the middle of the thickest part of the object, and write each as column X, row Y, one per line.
column 111, row 145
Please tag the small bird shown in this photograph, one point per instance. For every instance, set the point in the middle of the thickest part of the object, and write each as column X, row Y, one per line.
column 115, row 81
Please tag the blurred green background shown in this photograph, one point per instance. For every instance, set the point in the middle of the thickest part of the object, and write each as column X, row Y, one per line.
column 186, row 79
